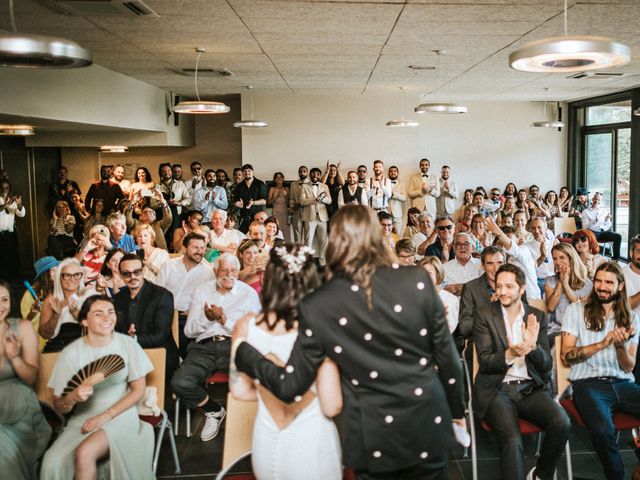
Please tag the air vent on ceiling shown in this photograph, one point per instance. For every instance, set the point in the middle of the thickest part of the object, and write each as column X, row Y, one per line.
column 207, row 72
column 88, row 8
column 595, row 75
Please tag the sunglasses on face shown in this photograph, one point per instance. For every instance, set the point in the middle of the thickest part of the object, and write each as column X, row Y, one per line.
column 444, row 227
column 362, row 171
column 580, row 240
column 69, row 276
column 133, row 273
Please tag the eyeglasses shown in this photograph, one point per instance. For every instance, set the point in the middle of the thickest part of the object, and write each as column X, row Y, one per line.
column 69, row 276
column 463, row 244
column 133, row 273
column 444, row 227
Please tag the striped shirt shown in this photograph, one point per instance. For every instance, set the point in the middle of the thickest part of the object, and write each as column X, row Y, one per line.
column 605, row 362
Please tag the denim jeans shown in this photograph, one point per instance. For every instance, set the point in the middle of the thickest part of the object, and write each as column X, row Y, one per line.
column 596, row 400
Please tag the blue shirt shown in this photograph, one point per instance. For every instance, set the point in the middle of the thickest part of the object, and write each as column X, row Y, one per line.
column 217, row 201
column 126, row 243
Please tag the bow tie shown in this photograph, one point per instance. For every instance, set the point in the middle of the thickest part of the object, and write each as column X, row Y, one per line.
column 425, row 175
column 394, row 181
column 315, row 184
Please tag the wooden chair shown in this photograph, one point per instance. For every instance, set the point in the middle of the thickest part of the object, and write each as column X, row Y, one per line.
column 43, row 392
column 155, row 378
column 538, row 303
column 238, row 435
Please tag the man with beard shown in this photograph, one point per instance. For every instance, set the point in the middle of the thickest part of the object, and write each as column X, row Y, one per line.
column 118, row 177
column 351, row 193
column 512, row 383
column 106, row 189
column 599, row 342
column 424, row 188
column 176, row 171
column 250, row 197
column 294, row 205
column 314, row 198
column 362, row 177
column 215, row 307
column 209, row 198
column 176, row 193
column 197, row 178
column 379, row 188
column 182, row 275
column 62, row 189
column 398, row 199
column 445, row 204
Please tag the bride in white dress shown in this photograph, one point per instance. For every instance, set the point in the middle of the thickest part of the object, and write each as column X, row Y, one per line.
column 295, row 441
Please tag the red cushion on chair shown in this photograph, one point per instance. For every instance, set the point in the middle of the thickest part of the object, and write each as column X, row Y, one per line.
column 218, row 377
column 151, row 419
column 526, row 428
column 622, row 421
column 569, row 406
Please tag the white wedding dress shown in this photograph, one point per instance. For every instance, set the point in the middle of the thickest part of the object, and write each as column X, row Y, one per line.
column 306, row 449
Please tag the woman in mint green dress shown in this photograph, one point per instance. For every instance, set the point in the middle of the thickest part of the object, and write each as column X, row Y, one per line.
column 104, row 437
column 24, row 432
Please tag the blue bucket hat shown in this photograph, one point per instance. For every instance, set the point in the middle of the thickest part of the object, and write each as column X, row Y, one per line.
column 44, row 264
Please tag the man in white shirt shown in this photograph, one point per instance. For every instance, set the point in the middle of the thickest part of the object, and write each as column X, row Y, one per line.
column 632, row 276
column 598, row 220
column 362, row 177
column 463, row 268
column 398, row 200
column 540, row 247
column 215, row 308
column 426, row 236
column 295, row 209
column 351, row 193
column 197, row 178
column 182, row 275
column 445, row 203
column 10, row 207
column 220, row 238
column 424, row 188
column 379, row 188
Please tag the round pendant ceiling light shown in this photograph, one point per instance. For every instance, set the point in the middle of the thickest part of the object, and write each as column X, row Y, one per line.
column 569, row 53
column 402, row 122
column 200, row 106
column 114, row 149
column 251, row 123
column 16, row 130
column 437, row 106
column 549, row 123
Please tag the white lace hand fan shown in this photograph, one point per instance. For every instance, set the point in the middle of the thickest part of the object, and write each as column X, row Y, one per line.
column 95, row 372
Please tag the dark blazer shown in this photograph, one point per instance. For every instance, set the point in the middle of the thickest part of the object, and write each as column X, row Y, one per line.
column 475, row 296
column 490, row 336
column 397, row 405
column 153, row 318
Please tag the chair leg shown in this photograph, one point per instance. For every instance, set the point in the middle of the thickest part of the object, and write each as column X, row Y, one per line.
column 188, row 422
column 567, row 451
column 174, row 450
column 538, row 443
column 156, row 453
column 177, row 417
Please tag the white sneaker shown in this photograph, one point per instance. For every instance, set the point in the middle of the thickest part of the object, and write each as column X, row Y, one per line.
column 530, row 475
column 212, row 425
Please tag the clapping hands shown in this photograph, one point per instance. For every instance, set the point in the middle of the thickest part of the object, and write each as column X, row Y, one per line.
column 529, row 338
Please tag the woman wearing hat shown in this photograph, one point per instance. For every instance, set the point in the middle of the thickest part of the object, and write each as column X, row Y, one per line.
column 45, row 268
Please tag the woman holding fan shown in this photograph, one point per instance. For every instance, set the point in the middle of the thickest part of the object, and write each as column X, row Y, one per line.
column 104, row 433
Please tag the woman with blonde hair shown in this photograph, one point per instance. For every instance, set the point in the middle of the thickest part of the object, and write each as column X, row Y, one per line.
column 451, row 303
column 154, row 258
column 60, row 241
column 570, row 284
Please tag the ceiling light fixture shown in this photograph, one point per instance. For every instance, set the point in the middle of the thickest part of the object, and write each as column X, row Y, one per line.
column 548, row 123
column 569, row 53
column 251, row 123
column 200, row 106
column 440, row 107
column 38, row 51
column 16, row 130
column 402, row 122
column 114, row 149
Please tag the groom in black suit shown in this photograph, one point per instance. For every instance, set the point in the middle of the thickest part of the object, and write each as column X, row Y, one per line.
column 512, row 382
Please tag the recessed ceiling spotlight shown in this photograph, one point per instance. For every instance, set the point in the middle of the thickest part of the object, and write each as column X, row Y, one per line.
column 16, row 130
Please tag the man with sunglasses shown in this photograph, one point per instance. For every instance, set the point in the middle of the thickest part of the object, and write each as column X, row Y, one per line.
column 362, row 177
column 145, row 311
column 443, row 246
column 197, row 178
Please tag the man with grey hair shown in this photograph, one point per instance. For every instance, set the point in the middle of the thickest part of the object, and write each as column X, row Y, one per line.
column 215, row 308
column 117, row 224
column 427, row 234
column 220, row 238
column 463, row 268
column 148, row 217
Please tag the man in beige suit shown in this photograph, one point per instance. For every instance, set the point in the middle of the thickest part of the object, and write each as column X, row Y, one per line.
column 314, row 198
column 424, row 188
column 398, row 199
column 294, row 205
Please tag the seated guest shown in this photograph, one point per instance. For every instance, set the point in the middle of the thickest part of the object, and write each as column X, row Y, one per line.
column 433, row 266
column 60, row 242
column 273, row 234
column 480, row 292
column 520, row 219
column 104, row 426
column 24, row 431
column 94, row 252
column 193, row 223
column 564, row 200
column 510, row 190
column 551, row 208
column 426, row 234
column 508, row 211
column 464, row 224
column 154, row 257
column 261, row 217
column 467, row 199
column 230, row 224
column 80, row 214
column 512, row 382
column 252, row 264
column 463, row 268
column 220, row 238
column 58, row 320
column 570, row 284
column 580, row 204
column 96, row 217
column 145, row 311
column 148, row 217
column 182, row 275
column 540, row 248
column 390, row 238
column 522, row 201
column 30, row 307
column 479, row 200
column 258, row 233
column 406, row 252
column 413, row 226
column 493, row 204
column 482, row 238
column 117, row 224
column 632, row 284
column 585, row 243
column 599, row 342
column 214, row 309
column 598, row 220
column 109, row 281
column 443, row 246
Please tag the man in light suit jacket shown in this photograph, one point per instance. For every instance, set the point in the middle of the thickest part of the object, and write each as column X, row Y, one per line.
column 294, row 205
column 445, row 203
column 398, row 200
column 512, row 382
column 424, row 188
column 314, row 198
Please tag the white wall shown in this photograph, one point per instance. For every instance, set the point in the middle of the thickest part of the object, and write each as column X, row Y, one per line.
column 490, row 146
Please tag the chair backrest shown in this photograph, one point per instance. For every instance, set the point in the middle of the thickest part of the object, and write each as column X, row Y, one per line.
column 564, row 225
column 175, row 328
column 476, row 365
column 43, row 392
column 562, row 370
column 539, row 304
column 155, row 378
column 175, row 255
column 238, row 433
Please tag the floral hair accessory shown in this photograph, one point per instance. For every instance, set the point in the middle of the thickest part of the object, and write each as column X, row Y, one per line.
column 295, row 262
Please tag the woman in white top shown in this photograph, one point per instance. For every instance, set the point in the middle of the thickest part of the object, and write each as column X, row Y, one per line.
column 585, row 243
column 154, row 257
column 290, row 441
column 451, row 303
column 60, row 240
column 143, row 182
